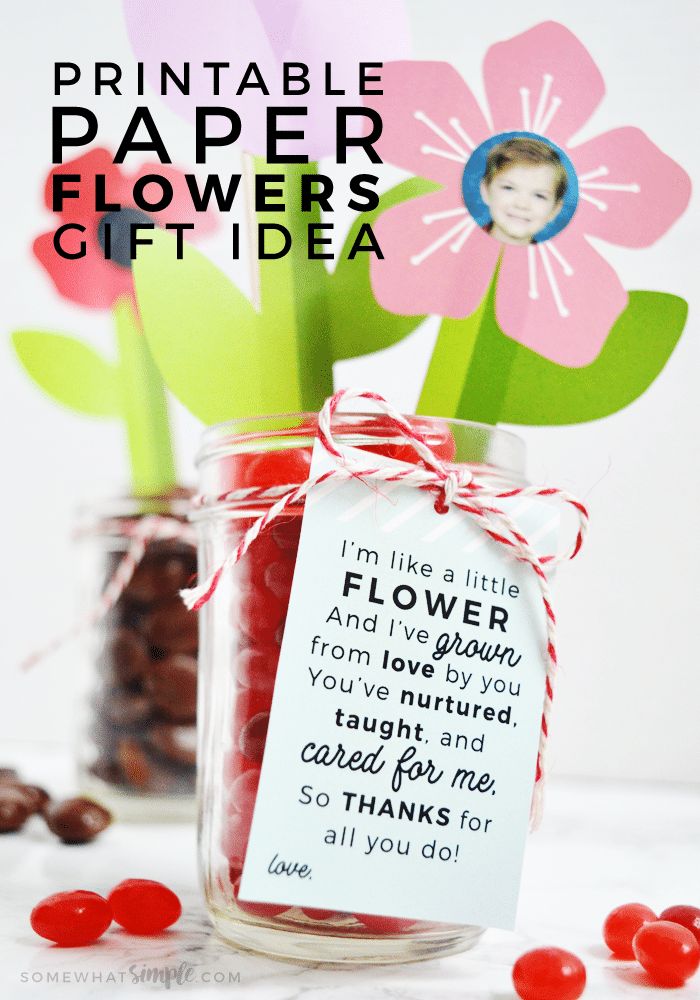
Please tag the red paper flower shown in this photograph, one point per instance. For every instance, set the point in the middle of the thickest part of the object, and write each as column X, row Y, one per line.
column 92, row 280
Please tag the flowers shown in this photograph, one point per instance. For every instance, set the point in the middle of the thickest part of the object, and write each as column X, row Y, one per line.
column 559, row 297
column 92, row 280
column 268, row 33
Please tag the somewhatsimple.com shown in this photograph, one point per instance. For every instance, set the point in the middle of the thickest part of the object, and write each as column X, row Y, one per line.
column 167, row 976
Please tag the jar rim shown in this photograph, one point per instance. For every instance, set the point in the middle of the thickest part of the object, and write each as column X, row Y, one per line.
column 225, row 438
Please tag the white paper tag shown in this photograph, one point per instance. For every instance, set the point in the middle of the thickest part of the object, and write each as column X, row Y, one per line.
column 401, row 751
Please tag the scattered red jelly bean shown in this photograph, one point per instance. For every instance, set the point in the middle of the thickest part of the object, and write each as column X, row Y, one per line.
column 549, row 974
column 668, row 952
column 71, row 919
column 142, row 906
column 686, row 916
column 383, row 925
column 622, row 923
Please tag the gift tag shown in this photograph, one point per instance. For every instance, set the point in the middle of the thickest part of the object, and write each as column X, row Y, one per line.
column 401, row 750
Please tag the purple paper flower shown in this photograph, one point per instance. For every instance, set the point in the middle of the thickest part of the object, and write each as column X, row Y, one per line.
column 269, row 33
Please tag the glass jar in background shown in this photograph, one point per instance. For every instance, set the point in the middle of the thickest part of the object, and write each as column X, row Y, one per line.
column 137, row 744
column 241, row 630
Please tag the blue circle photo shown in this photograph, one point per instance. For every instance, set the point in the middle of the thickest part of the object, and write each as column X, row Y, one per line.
column 520, row 188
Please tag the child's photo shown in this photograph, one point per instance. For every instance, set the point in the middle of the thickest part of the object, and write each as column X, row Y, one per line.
column 519, row 189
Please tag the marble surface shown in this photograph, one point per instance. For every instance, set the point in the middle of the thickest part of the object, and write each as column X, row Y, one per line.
column 600, row 845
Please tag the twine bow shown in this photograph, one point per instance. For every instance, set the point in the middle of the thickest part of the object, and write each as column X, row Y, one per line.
column 471, row 490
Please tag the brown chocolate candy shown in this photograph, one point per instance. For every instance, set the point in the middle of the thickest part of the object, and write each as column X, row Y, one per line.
column 171, row 627
column 172, row 686
column 77, row 820
column 122, row 708
column 107, row 770
column 174, row 742
column 15, row 808
column 125, row 656
column 159, row 576
column 37, row 797
column 134, row 763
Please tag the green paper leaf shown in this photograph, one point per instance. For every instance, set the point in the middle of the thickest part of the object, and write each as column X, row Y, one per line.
column 358, row 324
column 636, row 350
column 69, row 371
column 213, row 349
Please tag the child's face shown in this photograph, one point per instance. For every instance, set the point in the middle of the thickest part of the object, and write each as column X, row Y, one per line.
column 522, row 200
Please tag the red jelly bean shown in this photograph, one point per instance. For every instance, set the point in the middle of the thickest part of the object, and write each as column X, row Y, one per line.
column 289, row 466
column 71, row 918
column 142, row 906
column 235, row 764
column 318, row 914
column 686, row 916
column 286, row 532
column 622, row 923
column 256, row 667
column 667, row 951
column 253, row 736
column 244, row 791
column 250, row 721
column 549, row 974
column 234, row 841
column 278, row 579
column 259, row 909
column 260, row 614
column 383, row 925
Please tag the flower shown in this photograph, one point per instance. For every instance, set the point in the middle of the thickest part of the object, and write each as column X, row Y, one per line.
column 558, row 297
column 92, row 280
column 267, row 33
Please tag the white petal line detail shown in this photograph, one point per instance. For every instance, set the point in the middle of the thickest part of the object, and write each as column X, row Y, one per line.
column 584, row 196
column 525, row 106
column 463, row 237
column 418, row 258
column 547, row 81
column 554, row 287
column 440, row 133
column 605, row 186
column 445, row 153
column 592, row 174
column 552, row 110
column 559, row 257
column 467, row 140
column 532, row 271
column 449, row 213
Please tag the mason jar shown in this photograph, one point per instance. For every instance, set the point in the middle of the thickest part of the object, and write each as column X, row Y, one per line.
column 136, row 746
column 241, row 631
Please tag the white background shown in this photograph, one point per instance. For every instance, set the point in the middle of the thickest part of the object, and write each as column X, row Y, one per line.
column 629, row 689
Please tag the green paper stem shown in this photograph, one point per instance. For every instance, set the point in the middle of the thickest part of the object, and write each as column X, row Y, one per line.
column 144, row 407
column 470, row 367
column 295, row 289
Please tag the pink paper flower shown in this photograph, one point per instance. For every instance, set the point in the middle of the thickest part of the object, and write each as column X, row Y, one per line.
column 558, row 297
column 268, row 33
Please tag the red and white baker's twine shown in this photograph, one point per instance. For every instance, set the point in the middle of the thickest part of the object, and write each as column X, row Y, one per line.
column 459, row 487
column 141, row 533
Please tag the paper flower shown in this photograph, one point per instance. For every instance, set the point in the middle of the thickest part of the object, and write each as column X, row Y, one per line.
column 92, row 280
column 267, row 33
column 559, row 297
